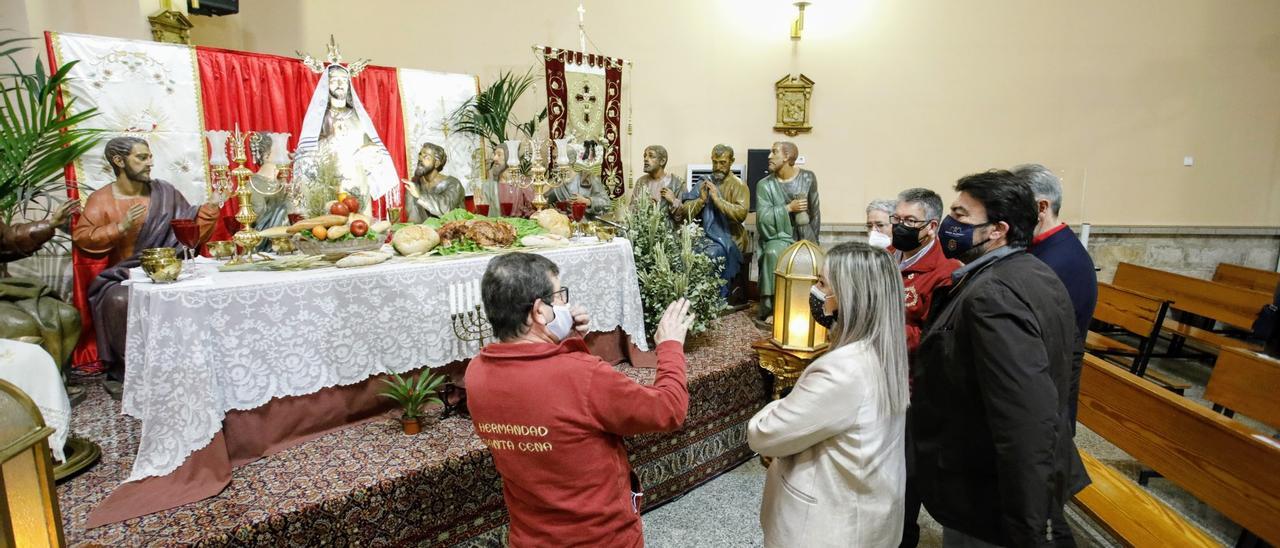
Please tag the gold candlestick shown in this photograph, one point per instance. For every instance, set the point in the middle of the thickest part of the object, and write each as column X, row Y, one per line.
column 247, row 238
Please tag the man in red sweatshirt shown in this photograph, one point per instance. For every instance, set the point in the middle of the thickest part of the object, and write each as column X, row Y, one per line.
column 553, row 415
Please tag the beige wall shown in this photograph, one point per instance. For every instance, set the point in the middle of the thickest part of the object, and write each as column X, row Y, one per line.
column 909, row 92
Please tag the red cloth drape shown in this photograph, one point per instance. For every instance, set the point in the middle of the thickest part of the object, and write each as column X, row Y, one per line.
column 260, row 93
column 83, row 267
column 270, row 93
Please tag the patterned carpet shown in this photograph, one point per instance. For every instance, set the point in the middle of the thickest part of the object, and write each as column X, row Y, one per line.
column 371, row 485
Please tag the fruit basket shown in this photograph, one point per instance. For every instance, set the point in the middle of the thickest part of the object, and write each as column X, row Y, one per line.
column 333, row 251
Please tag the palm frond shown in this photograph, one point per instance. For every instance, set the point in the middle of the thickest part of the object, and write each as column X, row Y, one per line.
column 488, row 114
column 37, row 139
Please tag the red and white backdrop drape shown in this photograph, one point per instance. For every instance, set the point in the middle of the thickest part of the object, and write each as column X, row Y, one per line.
column 584, row 98
column 170, row 94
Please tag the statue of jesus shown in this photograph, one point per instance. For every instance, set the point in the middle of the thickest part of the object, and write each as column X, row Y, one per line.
column 336, row 126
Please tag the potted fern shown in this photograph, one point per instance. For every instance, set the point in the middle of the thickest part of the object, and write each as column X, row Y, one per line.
column 411, row 395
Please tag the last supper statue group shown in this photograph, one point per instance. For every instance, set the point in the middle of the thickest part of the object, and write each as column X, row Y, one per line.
column 134, row 211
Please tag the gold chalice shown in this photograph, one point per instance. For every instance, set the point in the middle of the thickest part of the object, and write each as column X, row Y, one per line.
column 221, row 250
column 164, row 269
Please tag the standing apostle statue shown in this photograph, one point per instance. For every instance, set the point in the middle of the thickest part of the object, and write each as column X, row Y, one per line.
column 786, row 211
column 657, row 183
column 720, row 205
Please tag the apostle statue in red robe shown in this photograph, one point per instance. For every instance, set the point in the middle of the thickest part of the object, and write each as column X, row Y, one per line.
column 119, row 221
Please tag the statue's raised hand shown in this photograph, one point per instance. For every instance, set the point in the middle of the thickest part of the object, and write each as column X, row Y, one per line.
column 798, row 205
column 64, row 211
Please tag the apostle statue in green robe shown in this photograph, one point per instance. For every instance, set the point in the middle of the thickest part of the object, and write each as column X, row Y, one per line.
column 786, row 211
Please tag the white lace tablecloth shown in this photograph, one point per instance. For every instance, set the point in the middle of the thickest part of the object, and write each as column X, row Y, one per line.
column 198, row 349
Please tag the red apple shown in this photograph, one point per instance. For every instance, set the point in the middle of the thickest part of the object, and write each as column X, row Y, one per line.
column 359, row 228
column 339, row 209
column 352, row 203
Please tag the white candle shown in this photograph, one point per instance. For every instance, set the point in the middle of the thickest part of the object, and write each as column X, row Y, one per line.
column 479, row 301
column 471, row 298
column 513, row 153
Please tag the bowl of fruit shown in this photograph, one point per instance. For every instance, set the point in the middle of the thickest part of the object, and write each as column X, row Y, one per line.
column 335, row 236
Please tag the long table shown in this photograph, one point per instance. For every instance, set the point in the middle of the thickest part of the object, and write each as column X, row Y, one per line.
column 227, row 342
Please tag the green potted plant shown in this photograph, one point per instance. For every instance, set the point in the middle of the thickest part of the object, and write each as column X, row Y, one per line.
column 411, row 395
column 489, row 113
column 670, row 265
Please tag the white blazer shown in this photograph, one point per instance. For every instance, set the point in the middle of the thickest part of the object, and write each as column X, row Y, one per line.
column 838, row 474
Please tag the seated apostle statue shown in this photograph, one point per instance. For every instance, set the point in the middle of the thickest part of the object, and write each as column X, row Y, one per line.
column 433, row 192
column 120, row 220
column 29, row 310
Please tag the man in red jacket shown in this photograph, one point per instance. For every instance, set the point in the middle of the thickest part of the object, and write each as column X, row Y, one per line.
column 924, row 267
column 924, row 270
column 553, row 415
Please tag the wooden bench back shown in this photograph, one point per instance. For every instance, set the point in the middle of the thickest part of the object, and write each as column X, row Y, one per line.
column 1133, row 311
column 1246, row 382
column 1219, row 461
column 1230, row 305
column 1245, row 277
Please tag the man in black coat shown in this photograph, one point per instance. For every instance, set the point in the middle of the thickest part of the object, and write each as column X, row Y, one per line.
column 991, row 418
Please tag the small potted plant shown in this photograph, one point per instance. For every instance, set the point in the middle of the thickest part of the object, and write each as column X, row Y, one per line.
column 412, row 394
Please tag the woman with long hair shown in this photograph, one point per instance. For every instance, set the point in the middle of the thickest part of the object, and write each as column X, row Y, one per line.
column 838, row 473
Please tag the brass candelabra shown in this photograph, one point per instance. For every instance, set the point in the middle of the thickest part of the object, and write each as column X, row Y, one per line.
column 539, row 178
column 471, row 325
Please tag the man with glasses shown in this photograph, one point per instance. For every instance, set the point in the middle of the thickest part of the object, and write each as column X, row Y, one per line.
column 553, row 415
column 924, row 270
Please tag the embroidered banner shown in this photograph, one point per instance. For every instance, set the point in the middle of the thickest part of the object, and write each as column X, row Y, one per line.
column 584, row 99
column 143, row 89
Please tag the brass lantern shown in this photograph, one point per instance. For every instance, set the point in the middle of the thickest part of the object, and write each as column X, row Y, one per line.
column 29, row 514
column 793, row 325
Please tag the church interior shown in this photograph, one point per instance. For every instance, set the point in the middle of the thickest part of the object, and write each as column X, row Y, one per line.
column 667, row 273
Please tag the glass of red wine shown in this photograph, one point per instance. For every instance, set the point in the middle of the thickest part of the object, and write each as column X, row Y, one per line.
column 579, row 211
column 188, row 234
column 482, row 209
column 506, row 208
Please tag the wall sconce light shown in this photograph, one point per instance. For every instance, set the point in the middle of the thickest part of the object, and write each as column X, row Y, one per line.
column 797, row 26
column 29, row 514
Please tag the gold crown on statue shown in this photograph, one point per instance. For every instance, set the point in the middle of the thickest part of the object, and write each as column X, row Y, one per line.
column 334, row 59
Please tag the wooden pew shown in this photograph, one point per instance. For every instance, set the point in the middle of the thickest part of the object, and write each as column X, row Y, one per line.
column 1246, row 382
column 1139, row 314
column 1132, row 515
column 1255, row 279
column 1219, row 461
column 1232, row 306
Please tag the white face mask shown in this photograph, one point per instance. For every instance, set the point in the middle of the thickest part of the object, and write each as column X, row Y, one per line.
column 562, row 324
column 879, row 240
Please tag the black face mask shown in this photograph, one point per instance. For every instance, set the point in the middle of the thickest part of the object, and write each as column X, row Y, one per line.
column 815, row 309
column 906, row 238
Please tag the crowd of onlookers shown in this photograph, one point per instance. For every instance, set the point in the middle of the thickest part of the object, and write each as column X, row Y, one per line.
column 956, row 339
